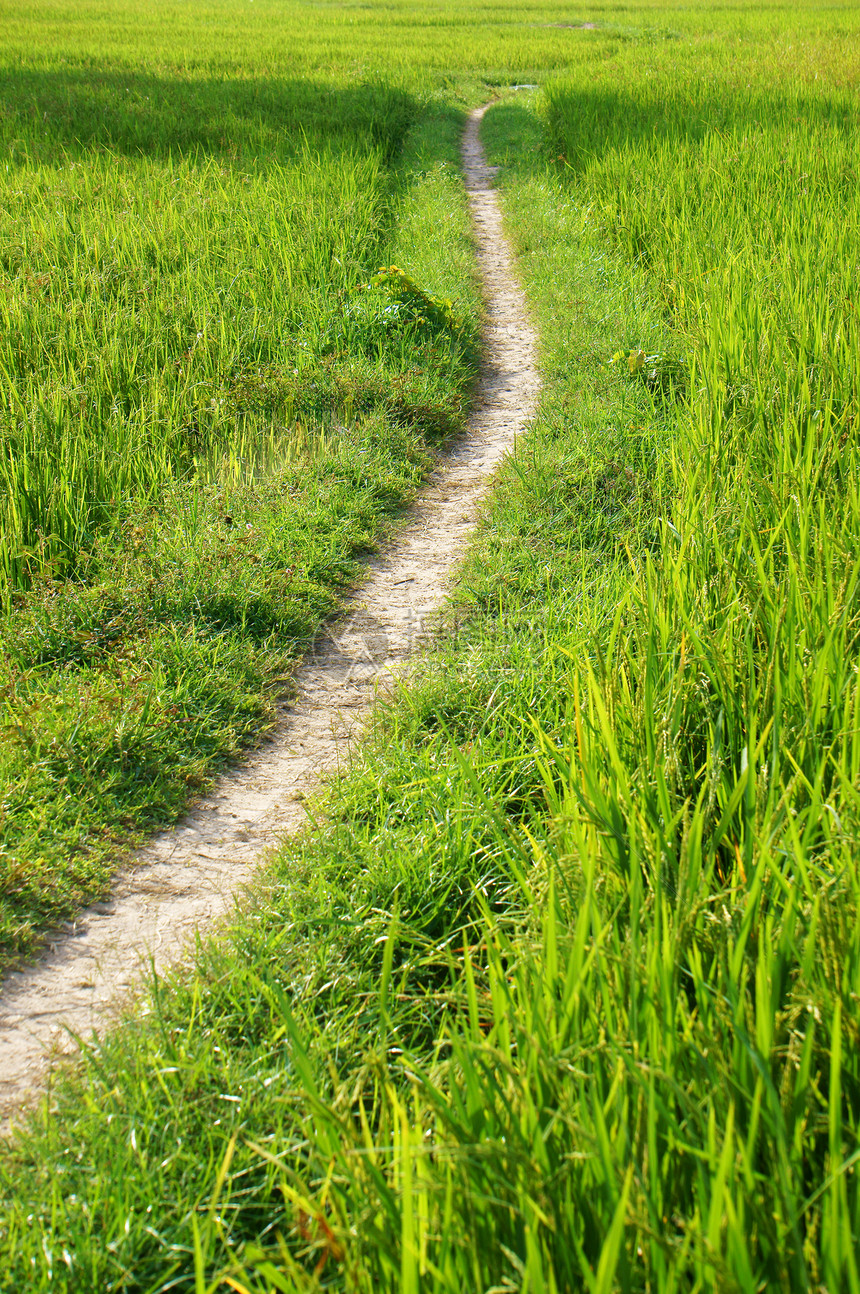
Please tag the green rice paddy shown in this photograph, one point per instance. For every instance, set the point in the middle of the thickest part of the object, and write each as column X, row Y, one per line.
column 562, row 991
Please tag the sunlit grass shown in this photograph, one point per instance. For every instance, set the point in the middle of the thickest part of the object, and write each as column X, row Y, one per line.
column 195, row 464
column 562, row 991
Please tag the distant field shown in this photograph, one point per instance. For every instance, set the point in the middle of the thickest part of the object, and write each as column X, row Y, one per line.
column 562, row 992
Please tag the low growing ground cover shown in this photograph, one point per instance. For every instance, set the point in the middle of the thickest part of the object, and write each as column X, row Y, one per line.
column 562, row 992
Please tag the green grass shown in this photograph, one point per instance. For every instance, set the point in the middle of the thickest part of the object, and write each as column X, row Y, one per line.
column 561, row 993
column 226, row 419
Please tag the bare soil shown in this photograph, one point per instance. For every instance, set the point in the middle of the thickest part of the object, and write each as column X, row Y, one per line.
column 190, row 875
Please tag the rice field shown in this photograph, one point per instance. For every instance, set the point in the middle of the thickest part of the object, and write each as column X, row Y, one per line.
column 208, row 412
column 562, row 991
column 157, row 306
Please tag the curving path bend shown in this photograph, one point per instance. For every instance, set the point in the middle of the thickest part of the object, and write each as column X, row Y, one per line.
column 188, row 876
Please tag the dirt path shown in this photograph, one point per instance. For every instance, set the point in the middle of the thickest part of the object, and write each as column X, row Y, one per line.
column 189, row 875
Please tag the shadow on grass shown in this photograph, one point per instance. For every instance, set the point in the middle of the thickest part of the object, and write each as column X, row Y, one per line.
column 129, row 112
column 578, row 127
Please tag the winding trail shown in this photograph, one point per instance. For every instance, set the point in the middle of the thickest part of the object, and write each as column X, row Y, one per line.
column 188, row 876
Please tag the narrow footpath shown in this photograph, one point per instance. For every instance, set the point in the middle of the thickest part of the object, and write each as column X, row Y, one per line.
column 189, row 876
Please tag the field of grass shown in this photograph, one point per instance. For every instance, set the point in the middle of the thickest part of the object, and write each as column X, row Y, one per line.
column 562, row 993
column 207, row 417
